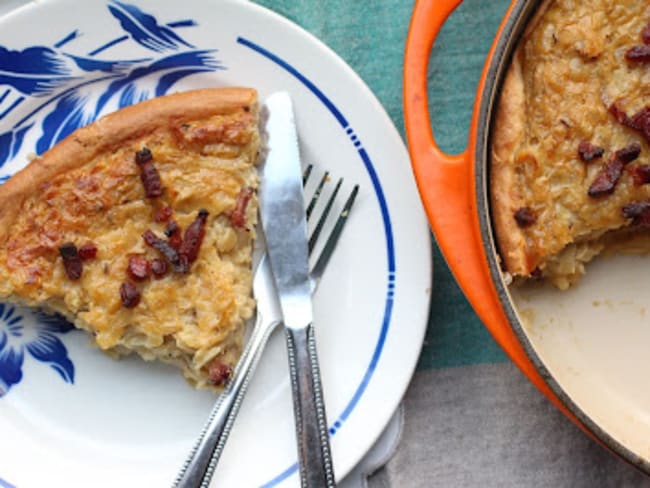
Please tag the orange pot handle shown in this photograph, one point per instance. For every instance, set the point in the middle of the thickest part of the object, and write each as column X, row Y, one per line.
column 447, row 188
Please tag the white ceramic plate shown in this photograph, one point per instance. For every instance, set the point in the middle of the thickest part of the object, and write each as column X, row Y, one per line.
column 69, row 415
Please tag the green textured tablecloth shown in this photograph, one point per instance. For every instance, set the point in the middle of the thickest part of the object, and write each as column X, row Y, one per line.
column 470, row 417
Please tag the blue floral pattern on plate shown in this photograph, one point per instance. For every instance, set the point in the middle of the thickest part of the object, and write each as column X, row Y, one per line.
column 76, row 89
column 74, row 86
column 39, row 341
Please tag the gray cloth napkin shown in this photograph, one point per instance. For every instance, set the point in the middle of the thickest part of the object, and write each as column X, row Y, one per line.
column 487, row 426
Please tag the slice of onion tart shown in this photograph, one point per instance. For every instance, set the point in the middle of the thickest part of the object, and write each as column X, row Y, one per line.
column 139, row 227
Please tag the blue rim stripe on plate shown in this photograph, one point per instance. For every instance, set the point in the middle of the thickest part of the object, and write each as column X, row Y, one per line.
column 365, row 158
column 5, row 484
column 305, row 81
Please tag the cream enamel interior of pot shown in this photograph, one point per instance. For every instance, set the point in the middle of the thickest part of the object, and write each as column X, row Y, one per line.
column 592, row 340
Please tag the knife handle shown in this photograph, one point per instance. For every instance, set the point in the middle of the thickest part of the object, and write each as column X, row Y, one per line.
column 314, row 454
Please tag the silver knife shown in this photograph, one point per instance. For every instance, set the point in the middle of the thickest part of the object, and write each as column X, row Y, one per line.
column 285, row 229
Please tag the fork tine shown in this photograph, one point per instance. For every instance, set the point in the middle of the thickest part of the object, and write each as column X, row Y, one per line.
column 319, row 189
column 306, row 174
column 332, row 240
column 323, row 217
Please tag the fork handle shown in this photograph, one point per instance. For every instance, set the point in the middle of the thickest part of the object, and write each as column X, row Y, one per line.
column 314, row 454
column 202, row 461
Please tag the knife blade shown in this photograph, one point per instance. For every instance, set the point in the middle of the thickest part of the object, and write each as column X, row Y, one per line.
column 282, row 214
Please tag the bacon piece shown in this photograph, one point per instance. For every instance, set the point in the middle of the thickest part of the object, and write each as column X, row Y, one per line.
column 148, row 173
column 219, row 373
column 158, row 268
column 639, row 121
column 641, row 174
column 129, row 294
column 587, row 151
column 173, row 233
column 180, row 252
column 144, row 155
column 194, row 237
column 138, row 268
column 163, row 214
column 628, row 153
column 71, row 260
column 238, row 215
column 606, row 179
column 169, row 253
column 88, row 251
column 639, row 212
column 638, row 54
column 620, row 115
column 525, row 217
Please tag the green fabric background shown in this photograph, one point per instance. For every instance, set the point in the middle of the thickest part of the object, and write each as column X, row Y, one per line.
column 370, row 36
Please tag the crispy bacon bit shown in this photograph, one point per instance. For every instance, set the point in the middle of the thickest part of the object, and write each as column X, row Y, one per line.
column 620, row 115
column 606, row 179
column 638, row 54
column 587, row 151
column 641, row 174
column 163, row 214
column 238, row 215
column 639, row 212
column 71, row 260
column 179, row 251
column 169, row 253
column 525, row 217
column 138, row 268
column 148, row 173
column 143, row 155
column 639, row 121
column 628, row 153
column 219, row 373
column 194, row 237
column 88, row 251
column 129, row 294
column 158, row 268
column 173, row 233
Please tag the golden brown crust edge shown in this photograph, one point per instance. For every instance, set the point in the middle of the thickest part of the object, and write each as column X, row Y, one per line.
column 113, row 130
column 508, row 134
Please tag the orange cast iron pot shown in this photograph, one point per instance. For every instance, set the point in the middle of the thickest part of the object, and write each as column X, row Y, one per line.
column 453, row 190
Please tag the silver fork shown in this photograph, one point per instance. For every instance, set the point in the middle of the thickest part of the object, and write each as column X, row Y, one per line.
column 202, row 461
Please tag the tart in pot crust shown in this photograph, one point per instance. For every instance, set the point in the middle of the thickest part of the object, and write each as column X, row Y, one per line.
column 139, row 227
column 570, row 162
